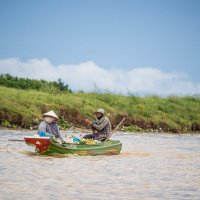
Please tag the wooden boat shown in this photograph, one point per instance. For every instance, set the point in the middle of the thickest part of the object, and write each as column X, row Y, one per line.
column 48, row 146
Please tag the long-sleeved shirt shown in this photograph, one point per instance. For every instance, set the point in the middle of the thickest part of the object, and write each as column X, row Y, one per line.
column 103, row 126
column 51, row 128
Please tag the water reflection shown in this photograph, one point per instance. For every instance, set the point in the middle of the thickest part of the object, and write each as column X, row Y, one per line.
column 150, row 166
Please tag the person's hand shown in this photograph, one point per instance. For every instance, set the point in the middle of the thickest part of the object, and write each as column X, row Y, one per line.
column 88, row 122
column 95, row 131
column 63, row 142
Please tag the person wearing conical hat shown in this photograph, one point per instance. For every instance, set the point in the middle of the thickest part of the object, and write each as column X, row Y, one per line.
column 49, row 125
column 101, row 127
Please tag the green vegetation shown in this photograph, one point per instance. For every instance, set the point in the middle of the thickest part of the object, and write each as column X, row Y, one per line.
column 41, row 85
column 63, row 123
column 132, row 128
column 23, row 108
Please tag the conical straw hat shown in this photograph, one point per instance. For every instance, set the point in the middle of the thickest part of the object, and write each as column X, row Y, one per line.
column 51, row 114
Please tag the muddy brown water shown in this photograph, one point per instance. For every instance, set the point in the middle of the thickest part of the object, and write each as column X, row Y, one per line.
column 150, row 166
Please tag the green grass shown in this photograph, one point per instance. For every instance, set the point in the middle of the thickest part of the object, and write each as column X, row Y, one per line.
column 173, row 114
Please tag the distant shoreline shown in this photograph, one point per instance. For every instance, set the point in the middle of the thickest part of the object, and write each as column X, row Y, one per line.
column 23, row 109
column 89, row 131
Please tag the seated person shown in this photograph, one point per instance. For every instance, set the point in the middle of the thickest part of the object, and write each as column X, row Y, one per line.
column 101, row 127
column 49, row 125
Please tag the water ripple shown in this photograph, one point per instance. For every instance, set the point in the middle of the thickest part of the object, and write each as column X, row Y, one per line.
column 150, row 166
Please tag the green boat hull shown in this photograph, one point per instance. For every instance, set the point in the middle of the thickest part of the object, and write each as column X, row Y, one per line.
column 110, row 147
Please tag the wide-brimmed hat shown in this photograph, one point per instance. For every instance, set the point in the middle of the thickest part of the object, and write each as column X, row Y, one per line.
column 100, row 110
column 50, row 114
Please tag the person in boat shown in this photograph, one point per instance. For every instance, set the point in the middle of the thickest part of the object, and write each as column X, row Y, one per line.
column 101, row 127
column 49, row 125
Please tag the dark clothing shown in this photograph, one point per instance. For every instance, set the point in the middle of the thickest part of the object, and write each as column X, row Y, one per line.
column 89, row 136
column 102, row 126
column 93, row 137
column 51, row 128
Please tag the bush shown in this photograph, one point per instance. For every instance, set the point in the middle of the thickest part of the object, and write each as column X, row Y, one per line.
column 6, row 124
column 41, row 85
column 63, row 124
column 132, row 128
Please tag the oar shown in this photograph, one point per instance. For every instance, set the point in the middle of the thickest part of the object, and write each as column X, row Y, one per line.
column 16, row 140
column 120, row 123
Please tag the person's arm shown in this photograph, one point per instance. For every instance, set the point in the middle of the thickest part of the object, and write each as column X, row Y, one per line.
column 42, row 127
column 100, row 126
column 59, row 135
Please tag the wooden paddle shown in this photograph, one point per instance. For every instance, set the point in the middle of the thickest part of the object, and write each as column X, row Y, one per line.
column 120, row 123
column 16, row 140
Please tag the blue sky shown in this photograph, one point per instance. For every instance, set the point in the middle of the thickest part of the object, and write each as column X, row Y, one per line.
column 113, row 34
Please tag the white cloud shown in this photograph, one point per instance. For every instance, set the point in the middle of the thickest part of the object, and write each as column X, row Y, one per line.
column 83, row 76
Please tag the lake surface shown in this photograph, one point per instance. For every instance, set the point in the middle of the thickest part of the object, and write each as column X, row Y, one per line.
column 150, row 166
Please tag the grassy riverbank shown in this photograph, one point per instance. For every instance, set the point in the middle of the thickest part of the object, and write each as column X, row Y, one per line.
column 23, row 108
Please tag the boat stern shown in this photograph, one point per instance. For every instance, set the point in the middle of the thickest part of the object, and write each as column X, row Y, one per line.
column 41, row 143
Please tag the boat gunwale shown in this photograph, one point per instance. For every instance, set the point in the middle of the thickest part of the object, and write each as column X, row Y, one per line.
column 88, row 146
column 74, row 147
